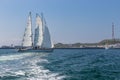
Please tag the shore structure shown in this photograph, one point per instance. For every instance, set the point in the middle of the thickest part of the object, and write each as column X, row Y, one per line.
column 40, row 40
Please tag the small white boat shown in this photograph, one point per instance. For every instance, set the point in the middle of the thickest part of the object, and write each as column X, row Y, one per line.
column 108, row 46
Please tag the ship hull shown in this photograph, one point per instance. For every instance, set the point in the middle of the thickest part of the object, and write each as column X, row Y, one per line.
column 37, row 50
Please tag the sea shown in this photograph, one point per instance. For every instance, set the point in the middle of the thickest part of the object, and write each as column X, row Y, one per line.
column 61, row 64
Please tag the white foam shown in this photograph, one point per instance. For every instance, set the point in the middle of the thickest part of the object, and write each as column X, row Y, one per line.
column 22, row 73
column 29, row 67
column 13, row 57
column 40, row 73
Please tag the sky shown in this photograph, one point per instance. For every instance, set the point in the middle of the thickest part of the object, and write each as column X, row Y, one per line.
column 69, row 21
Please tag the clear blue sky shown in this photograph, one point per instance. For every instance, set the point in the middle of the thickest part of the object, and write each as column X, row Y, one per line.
column 69, row 21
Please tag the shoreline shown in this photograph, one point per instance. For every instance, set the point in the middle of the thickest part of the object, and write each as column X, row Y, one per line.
column 71, row 48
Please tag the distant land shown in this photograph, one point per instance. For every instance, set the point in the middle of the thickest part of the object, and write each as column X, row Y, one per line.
column 100, row 44
column 84, row 45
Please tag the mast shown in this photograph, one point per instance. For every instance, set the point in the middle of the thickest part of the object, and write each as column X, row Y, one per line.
column 27, row 38
column 113, row 31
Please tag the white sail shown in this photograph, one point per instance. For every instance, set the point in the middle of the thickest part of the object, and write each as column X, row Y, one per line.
column 47, row 39
column 27, row 38
column 47, row 43
column 38, row 38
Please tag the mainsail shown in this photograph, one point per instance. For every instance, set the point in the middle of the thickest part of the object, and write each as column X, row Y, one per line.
column 27, row 38
column 38, row 38
column 47, row 43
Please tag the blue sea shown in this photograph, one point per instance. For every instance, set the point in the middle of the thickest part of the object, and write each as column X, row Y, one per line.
column 61, row 64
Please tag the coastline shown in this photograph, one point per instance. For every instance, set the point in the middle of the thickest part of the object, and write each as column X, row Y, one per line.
column 72, row 48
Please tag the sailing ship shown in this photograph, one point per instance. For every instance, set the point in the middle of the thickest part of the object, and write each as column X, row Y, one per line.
column 42, row 39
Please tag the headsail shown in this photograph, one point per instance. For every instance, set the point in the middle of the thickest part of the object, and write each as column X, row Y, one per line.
column 38, row 38
column 27, row 38
column 47, row 43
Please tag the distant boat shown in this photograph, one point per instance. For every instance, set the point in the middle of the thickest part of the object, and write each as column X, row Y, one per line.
column 42, row 39
column 108, row 46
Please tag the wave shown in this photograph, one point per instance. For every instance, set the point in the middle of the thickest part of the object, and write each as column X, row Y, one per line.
column 28, row 67
column 14, row 57
column 38, row 72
